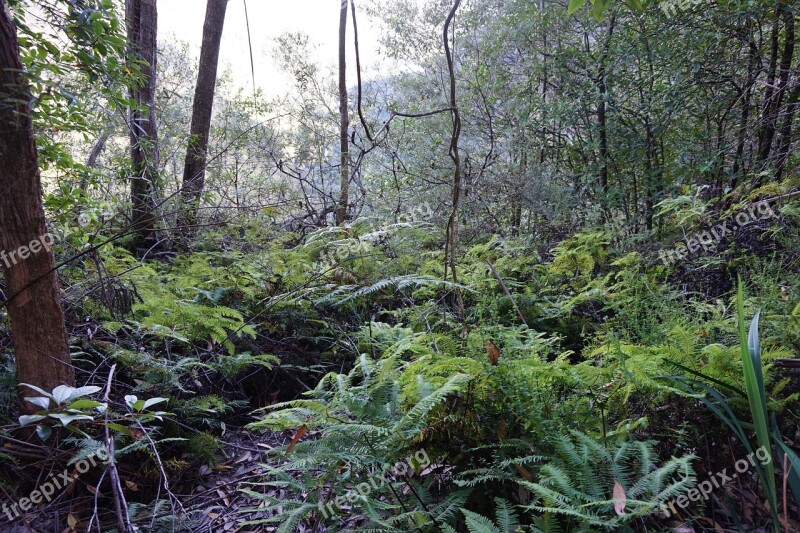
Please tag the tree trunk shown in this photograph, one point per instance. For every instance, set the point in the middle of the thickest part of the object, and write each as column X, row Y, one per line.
column 197, row 149
column 774, row 98
column 97, row 149
column 602, row 89
column 141, row 18
column 752, row 58
column 37, row 320
column 344, row 117
column 786, row 131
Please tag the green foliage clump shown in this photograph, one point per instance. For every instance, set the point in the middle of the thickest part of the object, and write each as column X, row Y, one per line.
column 204, row 446
column 577, row 257
column 578, row 484
column 362, row 428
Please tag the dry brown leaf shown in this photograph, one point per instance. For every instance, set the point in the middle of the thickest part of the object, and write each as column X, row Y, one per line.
column 711, row 524
column 493, row 352
column 132, row 486
column 620, row 498
column 72, row 522
column 246, row 456
column 522, row 471
column 501, row 429
column 299, row 435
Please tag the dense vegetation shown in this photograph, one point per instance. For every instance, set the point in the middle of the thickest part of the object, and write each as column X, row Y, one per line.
column 545, row 276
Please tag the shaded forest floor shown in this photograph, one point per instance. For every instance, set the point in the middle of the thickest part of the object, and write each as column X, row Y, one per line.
column 583, row 341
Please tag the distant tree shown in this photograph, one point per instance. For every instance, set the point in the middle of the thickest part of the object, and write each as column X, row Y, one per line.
column 141, row 18
column 344, row 117
column 197, row 149
column 32, row 291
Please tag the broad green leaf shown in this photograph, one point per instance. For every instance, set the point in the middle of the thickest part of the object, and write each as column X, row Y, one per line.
column 575, row 5
column 37, row 389
column 44, row 432
column 25, row 420
column 85, row 404
column 756, row 396
column 84, row 391
column 119, row 428
column 131, row 400
column 66, row 419
column 41, row 401
column 598, row 7
column 62, row 393
column 153, row 401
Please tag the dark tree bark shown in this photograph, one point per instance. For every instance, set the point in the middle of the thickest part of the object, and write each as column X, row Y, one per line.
column 141, row 17
column 344, row 117
column 451, row 233
column 99, row 146
column 34, row 299
column 769, row 90
column 774, row 97
column 752, row 60
column 786, row 131
column 602, row 103
column 197, row 149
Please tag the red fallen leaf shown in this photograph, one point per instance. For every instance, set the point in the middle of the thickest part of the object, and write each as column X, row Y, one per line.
column 620, row 498
column 299, row 435
column 493, row 352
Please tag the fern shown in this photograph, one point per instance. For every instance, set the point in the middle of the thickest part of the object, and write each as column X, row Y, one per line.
column 362, row 430
column 506, row 519
column 577, row 484
column 347, row 293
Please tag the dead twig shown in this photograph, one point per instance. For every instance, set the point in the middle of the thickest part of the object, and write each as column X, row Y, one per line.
column 120, row 505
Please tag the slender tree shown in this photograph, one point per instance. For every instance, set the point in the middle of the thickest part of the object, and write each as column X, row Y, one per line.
column 33, row 297
column 602, row 103
column 344, row 117
column 141, row 17
column 197, row 149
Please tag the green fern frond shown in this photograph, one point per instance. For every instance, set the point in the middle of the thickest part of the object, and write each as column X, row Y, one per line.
column 479, row 524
